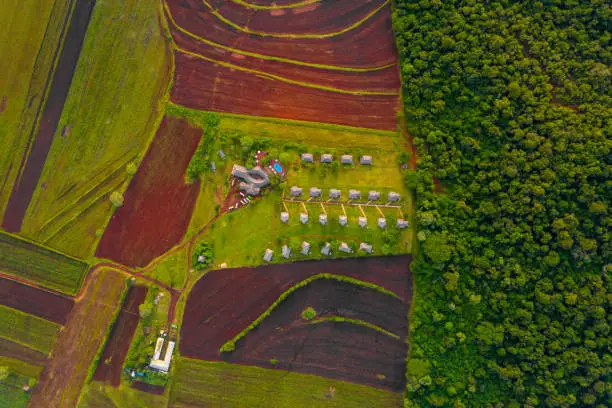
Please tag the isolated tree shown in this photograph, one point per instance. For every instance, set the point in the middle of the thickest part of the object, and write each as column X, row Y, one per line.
column 116, row 198
column 145, row 310
column 131, row 168
column 4, row 373
column 246, row 143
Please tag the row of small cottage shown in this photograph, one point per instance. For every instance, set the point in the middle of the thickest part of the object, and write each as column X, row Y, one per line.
column 343, row 220
column 334, row 194
column 344, row 159
column 326, row 250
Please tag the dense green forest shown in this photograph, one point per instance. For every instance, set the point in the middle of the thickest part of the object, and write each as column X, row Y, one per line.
column 509, row 106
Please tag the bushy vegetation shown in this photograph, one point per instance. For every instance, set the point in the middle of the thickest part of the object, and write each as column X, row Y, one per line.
column 202, row 256
column 309, row 313
column 201, row 160
column 509, row 105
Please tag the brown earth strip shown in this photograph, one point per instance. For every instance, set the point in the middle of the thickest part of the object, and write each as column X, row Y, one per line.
column 151, row 389
column 17, row 351
column 24, row 187
column 224, row 302
column 369, row 45
column 111, row 363
column 64, row 375
column 203, row 85
column 34, row 301
column 158, row 203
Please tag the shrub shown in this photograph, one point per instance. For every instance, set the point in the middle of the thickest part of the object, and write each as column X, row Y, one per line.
column 309, row 313
column 116, row 198
column 202, row 256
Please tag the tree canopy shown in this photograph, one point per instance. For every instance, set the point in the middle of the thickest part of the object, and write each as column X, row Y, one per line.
column 509, row 106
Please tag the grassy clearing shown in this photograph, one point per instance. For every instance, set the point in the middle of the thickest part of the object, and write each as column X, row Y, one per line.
column 172, row 270
column 28, row 330
column 99, row 395
column 38, row 264
column 310, row 133
column 125, row 59
column 11, row 391
column 20, row 367
column 31, row 31
column 216, row 384
column 240, row 237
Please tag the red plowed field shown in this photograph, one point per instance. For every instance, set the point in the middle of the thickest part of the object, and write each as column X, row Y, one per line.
column 224, row 302
column 34, row 301
column 157, row 204
column 282, row 88
column 151, row 389
column 17, row 351
column 120, row 338
column 343, row 350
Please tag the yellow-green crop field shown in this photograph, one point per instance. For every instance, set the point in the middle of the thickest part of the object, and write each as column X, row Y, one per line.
column 28, row 330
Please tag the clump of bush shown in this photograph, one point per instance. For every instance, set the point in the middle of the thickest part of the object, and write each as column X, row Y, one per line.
column 309, row 313
column 202, row 256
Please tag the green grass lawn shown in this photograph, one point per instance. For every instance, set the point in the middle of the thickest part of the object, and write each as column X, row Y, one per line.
column 113, row 109
column 100, row 395
column 216, row 384
column 31, row 31
column 172, row 270
column 28, row 330
column 49, row 268
column 11, row 391
column 241, row 237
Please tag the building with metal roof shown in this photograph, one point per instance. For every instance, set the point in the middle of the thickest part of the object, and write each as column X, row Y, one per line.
column 334, row 194
column 304, row 218
column 323, row 219
column 284, row 217
column 342, row 220
column 365, row 247
column 268, row 255
column 354, row 194
column 296, row 191
column 307, row 157
column 315, row 192
column 382, row 222
column 326, row 250
column 366, row 160
column 363, row 222
column 346, row 159
column 373, row 195
column 286, row 251
column 393, row 197
column 327, row 158
column 401, row 224
column 305, row 248
column 345, row 248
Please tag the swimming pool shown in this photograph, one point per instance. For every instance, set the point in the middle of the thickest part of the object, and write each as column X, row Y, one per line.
column 278, row 168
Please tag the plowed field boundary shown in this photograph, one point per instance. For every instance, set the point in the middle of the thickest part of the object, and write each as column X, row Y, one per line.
column 296, row 36
column 267, row 57
column 356, row 322
column 275, row 7
column 266, row 75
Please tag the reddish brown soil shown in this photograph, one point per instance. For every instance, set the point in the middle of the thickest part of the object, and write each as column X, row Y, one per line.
column 65, row 373
column 158, row 203
column 202, row 84
column 335, row 349
column 151, row 389
column 224, row 302
column 35, row 301
column 330, row 16
column 369, row 45
column 118, row 344
column 48, row 117
column 22, row 353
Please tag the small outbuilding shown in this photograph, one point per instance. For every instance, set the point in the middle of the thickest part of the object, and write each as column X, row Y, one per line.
column 213, row 167
column 365, row 247
column 373, row 195
column 401, row 224
column 221, row 154
column 346, row 159
column 286, row 251
column 327, row 158
column 334, row 194
column 365, row 160
column 305, row 248
column 307, row 157
column 295, row 191
column 268, row 255
column 354, row 194
column 326, row 250
column 304, row 218
column 323, row 219
column 345, row 248
column 284, row 217
column 363, row 222
column 315, row 192
column 382, row 222
column 393, row 197
column 342, row 220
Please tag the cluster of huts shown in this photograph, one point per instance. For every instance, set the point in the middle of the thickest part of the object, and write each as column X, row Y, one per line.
column 344, row 159
column 343, row 220
column 305, row 249
column 335, row 194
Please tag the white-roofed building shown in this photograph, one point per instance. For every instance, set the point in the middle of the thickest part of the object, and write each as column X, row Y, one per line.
column 157, row 362
column 346, row 159
column 323, row 219
column 354, row 194
column 284, row 217
column 268, row 255
column 327, row 158
column 382, row 222
column 304, row 218
column 342, row 220
column 345, row 248
column 305, row 248
column 401, row 224
column 363, row 222
column 367, row 160
column 373, row 195
column 295, row 191
column 307, row 157
column 315, row 192
column 326, row 250
column 365, row 247
column 286, row 251
column 393, row 197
